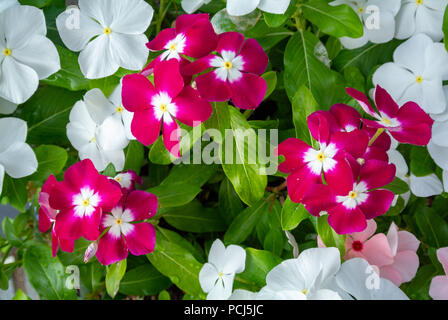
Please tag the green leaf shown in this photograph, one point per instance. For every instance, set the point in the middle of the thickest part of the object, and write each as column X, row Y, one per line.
column 77, row 256
column 421, row 162
column 219, row 120
column 10, row 232
column 106, row 85
column 293, row 214
column 397, row 186
column 303, row 104
column 366, row 57
column 51, row 159
column 47, row 115
column 338, row 21
column 164, row 295
column 4, row 281
column 16, row 192
column 241, row 165
column 35, row 3
column 69, row 76
column 178, row 264
column 243, row 225
column 143, row 280
column 176, row 238
column 115, row 273
column 182, row 184
column 271, row 81
column 329, row 237
column 109, row 171
column 91, row 275
column 20, row 295
column 223, row 22
column 194, row 217
column 46, row 274
column 445, row 28
column 303, row 67
column 258, row 265
column 135, row 155
column 229, row 202
column 158, row 154
column 433, row 227
column 418, row 289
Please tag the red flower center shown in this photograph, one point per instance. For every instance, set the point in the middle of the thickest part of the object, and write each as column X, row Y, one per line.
column 357, row 245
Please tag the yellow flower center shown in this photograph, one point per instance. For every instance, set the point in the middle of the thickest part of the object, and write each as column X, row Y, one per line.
column 93, row 139
column 173, row 47
column 163, row 108
column 304, row 291
column 386, row 121
column 419, row 79
column 85, row 202
column 228, row 65
column 118, row 179
column 361, row 10
column 107, row 31
column 361, row 161
column 221, row 274
column 119, row 221
column 352, row 194
column 320, row 156
column 7, row 52
column 120, row 109
column 419, row 2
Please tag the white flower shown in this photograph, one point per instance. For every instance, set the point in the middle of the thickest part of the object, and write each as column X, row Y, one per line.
column 109, row 34
column 357, row 278
column 7, row 107
column 378, row 18
column 309, row 277
column 17, row 158
column 216, row 277
column 120, row 112
column 426, row 186
column 396, row 158
column 421, row 16
column 241, row 8
column 438, row 149
column 26, row 54
column 417, row 74
column 97, row 132
column 5, row 4
column 191, row 6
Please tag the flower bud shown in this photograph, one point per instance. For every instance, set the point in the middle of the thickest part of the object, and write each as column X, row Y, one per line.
column 90, row 251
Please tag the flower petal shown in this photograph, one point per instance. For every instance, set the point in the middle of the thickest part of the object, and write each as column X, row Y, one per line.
column 131, row 16
column 191, row 109
column 129, row 51
column 18, row 82
column 142, row 239
column 248, row 91
column 96, row 60
column 111, row 249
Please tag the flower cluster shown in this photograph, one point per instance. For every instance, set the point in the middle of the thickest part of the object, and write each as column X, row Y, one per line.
column 195, row 67
column 349, row 158
column 108, row 211
column 316, row 274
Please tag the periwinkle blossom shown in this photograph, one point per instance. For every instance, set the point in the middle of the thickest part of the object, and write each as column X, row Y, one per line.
column 416, row 74
column 20, row 45
column 421, row 16
column 241, row 8
column 96, row 130
column 377, row 17
column 308, row 277
column 438, row 289
column 109, row 34
column 17, row 159
column 217, row 275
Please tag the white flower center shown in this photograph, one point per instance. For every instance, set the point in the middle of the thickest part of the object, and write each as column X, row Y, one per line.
column 174, row 47
column 7, row 52
column 85, row 202
column 164, row 107
column 318, row 160
column 355, row 197
column 228, row 67
column 387, row 121
column 119, row 222
column 124, row 179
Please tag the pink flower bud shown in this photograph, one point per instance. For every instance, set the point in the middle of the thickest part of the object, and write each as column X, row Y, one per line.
column 90, row 251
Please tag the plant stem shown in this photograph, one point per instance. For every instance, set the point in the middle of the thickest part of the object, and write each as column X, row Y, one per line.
column 377, row 134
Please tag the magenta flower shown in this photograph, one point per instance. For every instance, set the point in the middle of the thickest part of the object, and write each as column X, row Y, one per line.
column 307, row 164
column 236, row 71
column 193, row 36
column 351, row 200
column 47, row 218
column 439, row 285
column 164, row 101
column 125, row 229
column 407, row 124
column 81, row 199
